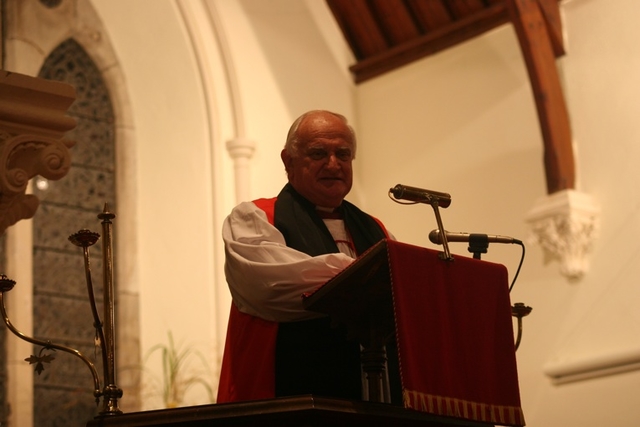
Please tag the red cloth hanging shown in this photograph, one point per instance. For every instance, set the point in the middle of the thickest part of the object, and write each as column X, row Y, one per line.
column 455, row 336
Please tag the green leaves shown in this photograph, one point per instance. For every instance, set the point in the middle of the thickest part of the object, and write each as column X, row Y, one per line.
column 177, row 373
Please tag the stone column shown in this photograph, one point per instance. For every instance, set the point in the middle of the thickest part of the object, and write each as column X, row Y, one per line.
column 241, row 150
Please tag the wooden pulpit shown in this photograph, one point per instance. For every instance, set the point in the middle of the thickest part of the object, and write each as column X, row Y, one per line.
column 452, row 324
column 360, row 297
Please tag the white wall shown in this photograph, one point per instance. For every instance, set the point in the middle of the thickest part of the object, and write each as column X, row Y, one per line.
column 174, row 231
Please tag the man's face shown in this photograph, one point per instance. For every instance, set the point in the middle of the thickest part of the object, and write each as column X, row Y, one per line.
column 321, row 170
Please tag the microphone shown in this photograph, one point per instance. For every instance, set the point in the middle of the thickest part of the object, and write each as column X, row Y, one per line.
column 420, row 195
column 453, row 236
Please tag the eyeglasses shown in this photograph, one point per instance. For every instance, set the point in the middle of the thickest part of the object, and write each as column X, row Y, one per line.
column 343, row 154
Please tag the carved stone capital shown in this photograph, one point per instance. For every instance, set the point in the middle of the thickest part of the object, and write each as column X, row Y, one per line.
column 565, row 224
column 241, row 148
column 33, row 122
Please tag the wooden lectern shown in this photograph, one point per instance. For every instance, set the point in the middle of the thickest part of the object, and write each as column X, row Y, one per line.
column 452, row 323
column 360, row 297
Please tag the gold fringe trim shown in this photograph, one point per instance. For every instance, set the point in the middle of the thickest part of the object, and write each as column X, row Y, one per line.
column 452, row 407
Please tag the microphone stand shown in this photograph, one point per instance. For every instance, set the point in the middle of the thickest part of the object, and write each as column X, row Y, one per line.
column 446, row 255
column 478, row 244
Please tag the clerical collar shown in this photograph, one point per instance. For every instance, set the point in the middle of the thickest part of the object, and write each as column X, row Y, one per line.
column 329, row 213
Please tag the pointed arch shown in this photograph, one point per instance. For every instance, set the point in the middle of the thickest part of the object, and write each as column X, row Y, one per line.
column 67, row 206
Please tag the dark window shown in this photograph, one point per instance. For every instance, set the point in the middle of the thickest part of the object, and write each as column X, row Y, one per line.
column 63, row 392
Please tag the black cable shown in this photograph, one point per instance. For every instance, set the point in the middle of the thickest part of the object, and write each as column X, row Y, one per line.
column 518, row 242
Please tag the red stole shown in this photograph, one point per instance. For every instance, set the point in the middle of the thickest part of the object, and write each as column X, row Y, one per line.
column 249, row 375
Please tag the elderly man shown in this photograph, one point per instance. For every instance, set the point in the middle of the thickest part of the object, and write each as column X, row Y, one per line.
column 279, row 248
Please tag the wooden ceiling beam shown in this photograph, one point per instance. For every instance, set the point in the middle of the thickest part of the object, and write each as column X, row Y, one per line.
column 460, row 8
column 396, row 20
column 430, row 14
column 430, row 43
column 551, row 13
column 538, row 28
column 359, row 27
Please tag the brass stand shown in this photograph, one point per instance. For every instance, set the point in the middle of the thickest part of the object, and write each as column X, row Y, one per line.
column 105, row 333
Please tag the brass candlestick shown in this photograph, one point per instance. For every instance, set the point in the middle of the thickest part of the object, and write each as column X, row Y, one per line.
column 105, row 332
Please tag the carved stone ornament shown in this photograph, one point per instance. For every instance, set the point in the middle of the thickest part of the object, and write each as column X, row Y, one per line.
column 565, row 224
column 33, row 122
